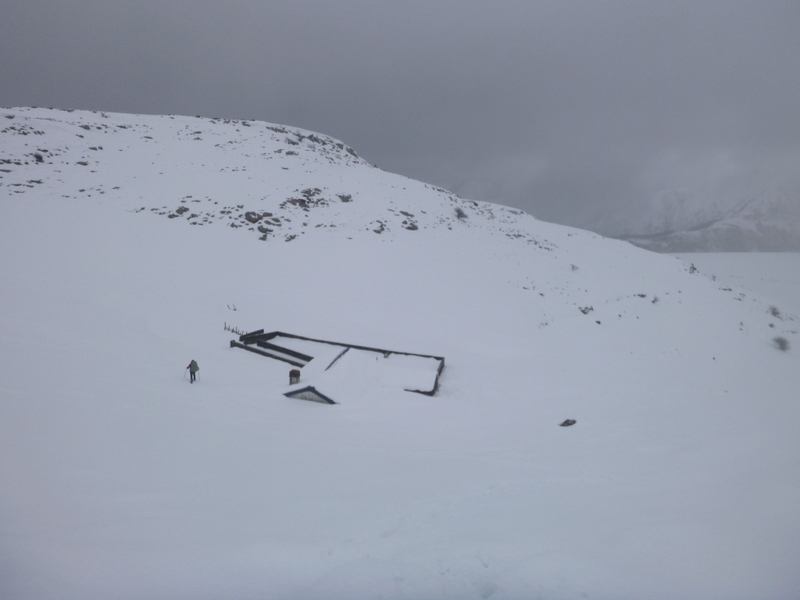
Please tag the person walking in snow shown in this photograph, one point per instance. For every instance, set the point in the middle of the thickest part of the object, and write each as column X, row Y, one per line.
column 193, row 368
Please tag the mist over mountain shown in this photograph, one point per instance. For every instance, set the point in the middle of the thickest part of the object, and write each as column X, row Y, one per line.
column 677, row 222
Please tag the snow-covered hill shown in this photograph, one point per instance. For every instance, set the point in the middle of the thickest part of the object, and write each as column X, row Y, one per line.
column 275, row 181
column 122, row 480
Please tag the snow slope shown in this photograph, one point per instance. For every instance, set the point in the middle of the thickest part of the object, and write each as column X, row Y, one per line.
column 775, row 275
column 121, row 480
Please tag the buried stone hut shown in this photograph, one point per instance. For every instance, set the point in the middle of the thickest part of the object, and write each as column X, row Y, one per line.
column 417, row 373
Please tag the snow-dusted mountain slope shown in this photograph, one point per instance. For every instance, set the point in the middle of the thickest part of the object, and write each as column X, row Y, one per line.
column 769, row 223
column 122, row 480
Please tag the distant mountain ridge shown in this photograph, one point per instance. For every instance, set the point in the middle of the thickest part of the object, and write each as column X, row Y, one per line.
column 769, row 223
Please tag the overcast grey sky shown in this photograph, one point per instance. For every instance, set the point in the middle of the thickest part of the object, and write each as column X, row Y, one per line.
column 566, row 109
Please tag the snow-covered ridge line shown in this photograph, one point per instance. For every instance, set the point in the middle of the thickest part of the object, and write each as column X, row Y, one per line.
column 103, row 121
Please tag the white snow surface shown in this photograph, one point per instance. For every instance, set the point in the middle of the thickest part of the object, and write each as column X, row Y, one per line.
column 120, row 480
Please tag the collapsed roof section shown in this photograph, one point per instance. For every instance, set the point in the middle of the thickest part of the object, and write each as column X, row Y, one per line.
column 309, row 393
